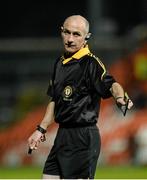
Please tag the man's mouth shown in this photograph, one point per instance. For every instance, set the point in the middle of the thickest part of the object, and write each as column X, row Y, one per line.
column 69, row 45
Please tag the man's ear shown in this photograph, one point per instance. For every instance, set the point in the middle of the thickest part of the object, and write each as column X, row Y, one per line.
column 87, row 36
column 61, row 28
column 61, row 31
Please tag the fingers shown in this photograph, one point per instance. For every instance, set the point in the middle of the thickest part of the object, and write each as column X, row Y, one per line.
column 35, row 139
column 123, row 102
column 130, row 104
column 34, row 144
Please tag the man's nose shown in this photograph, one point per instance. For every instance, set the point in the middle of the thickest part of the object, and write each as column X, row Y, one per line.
column 70, row 38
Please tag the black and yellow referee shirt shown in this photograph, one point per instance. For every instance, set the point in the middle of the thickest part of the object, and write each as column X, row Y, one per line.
column 78, row 84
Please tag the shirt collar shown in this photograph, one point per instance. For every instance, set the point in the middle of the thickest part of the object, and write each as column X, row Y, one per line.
column 82, row 52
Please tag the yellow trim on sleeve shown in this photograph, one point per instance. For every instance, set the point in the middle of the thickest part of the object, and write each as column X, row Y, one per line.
column 103, row 67
column 101, row 64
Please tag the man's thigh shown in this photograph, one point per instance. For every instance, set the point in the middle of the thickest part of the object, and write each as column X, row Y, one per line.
column 52, row 166
column 79, row 154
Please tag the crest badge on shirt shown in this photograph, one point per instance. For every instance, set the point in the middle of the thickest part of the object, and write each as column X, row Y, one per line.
column 67, row 93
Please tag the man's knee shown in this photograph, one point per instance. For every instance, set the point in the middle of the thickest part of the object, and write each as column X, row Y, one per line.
column 46, row 176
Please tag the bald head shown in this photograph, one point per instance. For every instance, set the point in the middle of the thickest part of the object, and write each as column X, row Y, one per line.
column 75, row 33
column 78, row 20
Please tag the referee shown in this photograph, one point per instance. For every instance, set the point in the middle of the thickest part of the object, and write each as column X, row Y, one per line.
column 79, row 82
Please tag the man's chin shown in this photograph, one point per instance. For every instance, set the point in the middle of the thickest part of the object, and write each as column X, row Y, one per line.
column 71, row 50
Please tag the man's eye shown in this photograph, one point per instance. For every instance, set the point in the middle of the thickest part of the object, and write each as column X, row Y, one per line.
column 66, row 32
column 76, row 34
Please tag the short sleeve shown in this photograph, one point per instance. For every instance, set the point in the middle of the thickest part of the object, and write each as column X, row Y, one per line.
column 101, row 80
column 50, row 90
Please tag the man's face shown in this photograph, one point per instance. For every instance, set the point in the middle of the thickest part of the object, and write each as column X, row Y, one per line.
column 73, row 35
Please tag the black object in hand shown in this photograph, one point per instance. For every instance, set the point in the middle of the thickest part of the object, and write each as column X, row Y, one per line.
column 124, row 107
column 30, row 151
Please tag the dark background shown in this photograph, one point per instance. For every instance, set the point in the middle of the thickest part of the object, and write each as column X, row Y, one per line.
column 43, row 19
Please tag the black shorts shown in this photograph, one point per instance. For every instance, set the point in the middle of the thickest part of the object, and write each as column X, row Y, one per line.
column 74, row 153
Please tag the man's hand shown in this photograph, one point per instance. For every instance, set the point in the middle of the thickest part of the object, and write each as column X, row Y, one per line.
column 35, row 139
column 124, row 103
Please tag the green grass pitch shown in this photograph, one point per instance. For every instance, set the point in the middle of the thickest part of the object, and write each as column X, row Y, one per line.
column 119, row 172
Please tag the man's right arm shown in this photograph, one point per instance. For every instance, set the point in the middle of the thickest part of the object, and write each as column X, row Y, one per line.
column 49, row 116
column 48, row 119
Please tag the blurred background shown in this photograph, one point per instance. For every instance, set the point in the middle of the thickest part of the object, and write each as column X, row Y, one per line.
column 29, row 44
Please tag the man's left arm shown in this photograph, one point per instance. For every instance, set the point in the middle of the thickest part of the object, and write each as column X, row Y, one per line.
column 119, row 95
